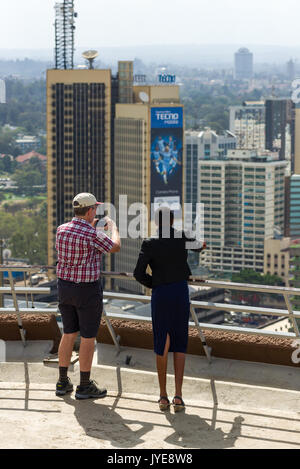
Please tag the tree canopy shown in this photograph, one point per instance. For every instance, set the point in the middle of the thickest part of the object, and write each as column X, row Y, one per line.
column 25, row 105
column 253, row 277
column 25, row 232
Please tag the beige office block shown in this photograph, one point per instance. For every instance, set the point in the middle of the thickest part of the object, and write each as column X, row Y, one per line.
column 78, row 142
column 277, row 258
column 132, row 164
column 157, row 94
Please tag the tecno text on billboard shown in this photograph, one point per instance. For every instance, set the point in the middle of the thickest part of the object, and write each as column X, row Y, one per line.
column 166, row 117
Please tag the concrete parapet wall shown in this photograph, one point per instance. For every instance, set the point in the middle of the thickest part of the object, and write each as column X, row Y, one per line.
column 36, row 326
column 231, row 345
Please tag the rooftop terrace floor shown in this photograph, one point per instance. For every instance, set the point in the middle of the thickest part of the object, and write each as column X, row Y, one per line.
column 229, row 404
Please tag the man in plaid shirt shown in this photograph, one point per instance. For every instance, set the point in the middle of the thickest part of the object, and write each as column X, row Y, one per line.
column 79, row 247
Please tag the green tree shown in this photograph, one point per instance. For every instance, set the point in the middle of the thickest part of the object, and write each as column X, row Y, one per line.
column 252, row 277
column 7, row 142
column 8, row 225
column 27, row 179
column 9, row 165
column 25, row 105
column 35, row 164
column 30, row 241
column 43, row 210
column 25, row 230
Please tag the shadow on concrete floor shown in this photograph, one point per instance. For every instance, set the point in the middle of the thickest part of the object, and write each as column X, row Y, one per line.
column 190, row 430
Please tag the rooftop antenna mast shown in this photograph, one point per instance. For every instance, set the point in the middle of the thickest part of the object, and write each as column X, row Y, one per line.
column 64, row 34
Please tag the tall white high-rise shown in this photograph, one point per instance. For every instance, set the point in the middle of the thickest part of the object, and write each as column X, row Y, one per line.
column 203, row 145
column 243, row 64
column 2, row 92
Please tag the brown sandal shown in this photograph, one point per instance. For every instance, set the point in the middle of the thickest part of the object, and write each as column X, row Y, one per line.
column 163, row 406
column 178, row 407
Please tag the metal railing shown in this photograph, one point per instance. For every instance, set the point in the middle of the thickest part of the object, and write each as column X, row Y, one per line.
column 193, row 280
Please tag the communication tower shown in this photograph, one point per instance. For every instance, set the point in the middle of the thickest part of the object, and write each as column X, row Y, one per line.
column 64, row 34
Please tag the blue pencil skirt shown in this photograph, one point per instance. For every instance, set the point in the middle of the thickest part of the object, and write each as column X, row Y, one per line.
column 170, row 309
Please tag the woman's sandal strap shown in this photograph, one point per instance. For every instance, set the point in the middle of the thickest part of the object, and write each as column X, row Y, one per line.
column 180, row 398
column 165, row 398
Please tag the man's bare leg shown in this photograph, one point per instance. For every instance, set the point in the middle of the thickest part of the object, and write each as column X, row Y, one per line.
column 66, row 348
column 86, row 353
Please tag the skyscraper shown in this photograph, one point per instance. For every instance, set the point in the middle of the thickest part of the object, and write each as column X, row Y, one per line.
column 296, row 168
column 243, row 64
column 2, row 92
column 247, row 123
column 290, row 70
column 243, row 200
column 78, row 141
column 203, row 145
column 148, row 162
column 292, row 206
column 280, row 128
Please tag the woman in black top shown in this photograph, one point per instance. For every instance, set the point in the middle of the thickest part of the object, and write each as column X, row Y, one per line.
column 166, row 255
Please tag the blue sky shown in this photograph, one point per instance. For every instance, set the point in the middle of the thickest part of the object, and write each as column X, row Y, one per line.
column 28, row 24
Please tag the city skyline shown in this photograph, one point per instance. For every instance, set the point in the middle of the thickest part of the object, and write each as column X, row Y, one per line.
column 153, row 23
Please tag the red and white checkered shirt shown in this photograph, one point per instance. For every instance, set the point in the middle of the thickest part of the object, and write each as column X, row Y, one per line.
column 79, row 248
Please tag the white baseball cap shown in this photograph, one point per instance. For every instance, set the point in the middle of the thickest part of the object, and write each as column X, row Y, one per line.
column 84, row 199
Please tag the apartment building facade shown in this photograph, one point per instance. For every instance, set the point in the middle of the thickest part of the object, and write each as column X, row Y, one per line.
column 247, row 123
column 203, row 145
column 243, row 199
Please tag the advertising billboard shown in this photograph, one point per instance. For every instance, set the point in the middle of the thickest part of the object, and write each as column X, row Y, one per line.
column 166, row 156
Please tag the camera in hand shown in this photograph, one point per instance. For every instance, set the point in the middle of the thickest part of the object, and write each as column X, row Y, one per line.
column 102, row 223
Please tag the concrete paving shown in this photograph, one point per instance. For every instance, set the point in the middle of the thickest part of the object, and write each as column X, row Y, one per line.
column 229, row 404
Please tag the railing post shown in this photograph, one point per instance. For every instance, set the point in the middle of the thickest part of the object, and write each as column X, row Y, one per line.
column 13, row 292
column 115, row 338
column 291, row 314
column 207, row 349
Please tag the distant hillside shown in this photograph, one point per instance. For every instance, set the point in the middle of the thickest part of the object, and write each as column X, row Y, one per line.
column 194, row 55
column 24, row 68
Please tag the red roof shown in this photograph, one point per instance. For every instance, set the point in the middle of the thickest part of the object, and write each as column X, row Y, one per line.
column 28, row 156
